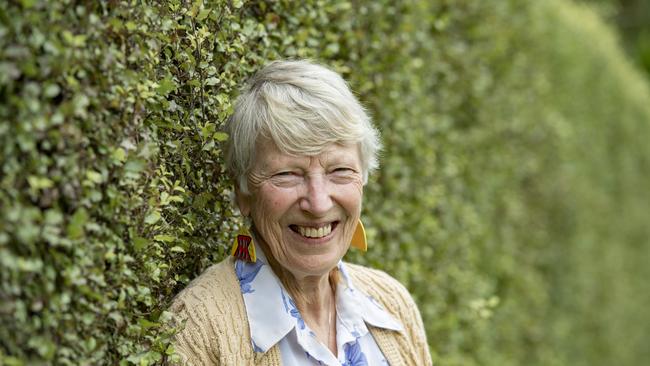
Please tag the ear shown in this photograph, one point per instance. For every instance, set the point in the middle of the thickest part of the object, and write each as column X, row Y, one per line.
column 243, row 201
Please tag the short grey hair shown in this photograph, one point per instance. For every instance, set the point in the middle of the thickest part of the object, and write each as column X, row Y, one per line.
column 302, row 107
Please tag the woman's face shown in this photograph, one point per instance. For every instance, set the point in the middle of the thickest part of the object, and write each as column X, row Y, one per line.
column 305, row 208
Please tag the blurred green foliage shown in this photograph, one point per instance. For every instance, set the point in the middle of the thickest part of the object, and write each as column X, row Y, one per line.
column 511, row 200
column 632, row 19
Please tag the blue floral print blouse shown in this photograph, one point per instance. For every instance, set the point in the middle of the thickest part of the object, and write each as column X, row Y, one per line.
column 274, row 318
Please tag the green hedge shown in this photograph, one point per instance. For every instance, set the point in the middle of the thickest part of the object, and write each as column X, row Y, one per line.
column 511, row 199
column 632, row 19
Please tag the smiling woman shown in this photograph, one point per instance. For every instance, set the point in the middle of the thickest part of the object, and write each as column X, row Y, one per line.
column 300, row 151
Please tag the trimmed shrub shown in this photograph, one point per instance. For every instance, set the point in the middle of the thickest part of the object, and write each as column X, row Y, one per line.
column 511, row 198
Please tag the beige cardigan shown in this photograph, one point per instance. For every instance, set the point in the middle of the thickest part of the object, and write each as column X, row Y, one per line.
column 216, row 328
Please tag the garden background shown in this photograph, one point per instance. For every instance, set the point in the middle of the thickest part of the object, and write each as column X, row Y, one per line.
column 512, row 198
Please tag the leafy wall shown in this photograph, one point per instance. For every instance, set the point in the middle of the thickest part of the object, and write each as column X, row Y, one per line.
column 511, row 199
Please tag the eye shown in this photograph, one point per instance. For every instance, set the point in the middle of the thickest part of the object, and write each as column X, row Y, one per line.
column 343, row 175
column 286, row 178
column 343, row 170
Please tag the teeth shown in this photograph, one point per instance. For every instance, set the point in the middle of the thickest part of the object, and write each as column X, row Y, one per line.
column 312, row 232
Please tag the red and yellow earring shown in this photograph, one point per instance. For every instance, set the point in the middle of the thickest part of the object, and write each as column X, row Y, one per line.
column 359, row 238
column 243, row 247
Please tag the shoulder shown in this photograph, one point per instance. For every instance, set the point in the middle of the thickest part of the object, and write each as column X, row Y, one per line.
column 208, row 312
column 380, row 285
column 210, row 287
column 410, row 346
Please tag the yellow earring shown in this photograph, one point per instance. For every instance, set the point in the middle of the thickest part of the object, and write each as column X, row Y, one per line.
column 243, row 248
column 359, row 238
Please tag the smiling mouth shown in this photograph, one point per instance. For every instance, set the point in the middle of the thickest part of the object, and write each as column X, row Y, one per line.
column 314, row 232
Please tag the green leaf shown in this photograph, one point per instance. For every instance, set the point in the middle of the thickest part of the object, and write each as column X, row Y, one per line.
column 39, row 182
column 75, row 229
column 152, row 218
column 119, row 155
column 164, row 198
column 165, row 86
column 52, row 90
column 212, row 81
column 28, row 3
column 145, row 323
column 203, row 14
column 208, row 146
column 220, row 136
column 175, row 198
column 115, row 23
column 131, row 26
column 134, row 166
column 164, row 238
column 207, row 129
column 94, row 176
column 140, row 243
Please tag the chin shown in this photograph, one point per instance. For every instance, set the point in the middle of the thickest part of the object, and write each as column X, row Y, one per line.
column 315, row 265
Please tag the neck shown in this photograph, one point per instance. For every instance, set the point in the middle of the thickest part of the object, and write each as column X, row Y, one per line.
column 315, row 299
column 313, row 293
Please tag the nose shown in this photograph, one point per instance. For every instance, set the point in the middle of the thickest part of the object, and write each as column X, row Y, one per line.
column 317, row 199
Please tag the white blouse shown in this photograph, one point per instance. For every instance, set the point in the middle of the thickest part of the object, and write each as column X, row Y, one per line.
column 273, row 317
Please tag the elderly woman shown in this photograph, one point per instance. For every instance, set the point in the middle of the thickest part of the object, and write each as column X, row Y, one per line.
column 300, row 151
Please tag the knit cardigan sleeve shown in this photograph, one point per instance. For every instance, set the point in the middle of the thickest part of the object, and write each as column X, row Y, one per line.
column 409, row 347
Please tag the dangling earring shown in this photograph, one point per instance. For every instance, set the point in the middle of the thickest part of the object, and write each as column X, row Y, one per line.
column 359, row 238
column 243, row 247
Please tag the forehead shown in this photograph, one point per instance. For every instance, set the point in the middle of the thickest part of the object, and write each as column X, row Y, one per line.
column 268, row 155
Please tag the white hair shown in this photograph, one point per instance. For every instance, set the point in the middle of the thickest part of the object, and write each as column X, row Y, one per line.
column 302, row 107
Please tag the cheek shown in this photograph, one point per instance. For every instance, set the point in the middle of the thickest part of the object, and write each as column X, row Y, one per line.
column 354, row 194
column 350, row 204
column 276, row 204
column 360, row 189
column 273, row 203
column 268, row 209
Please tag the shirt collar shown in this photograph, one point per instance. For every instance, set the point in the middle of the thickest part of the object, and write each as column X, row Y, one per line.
column 355, row 308
column 272, row 313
